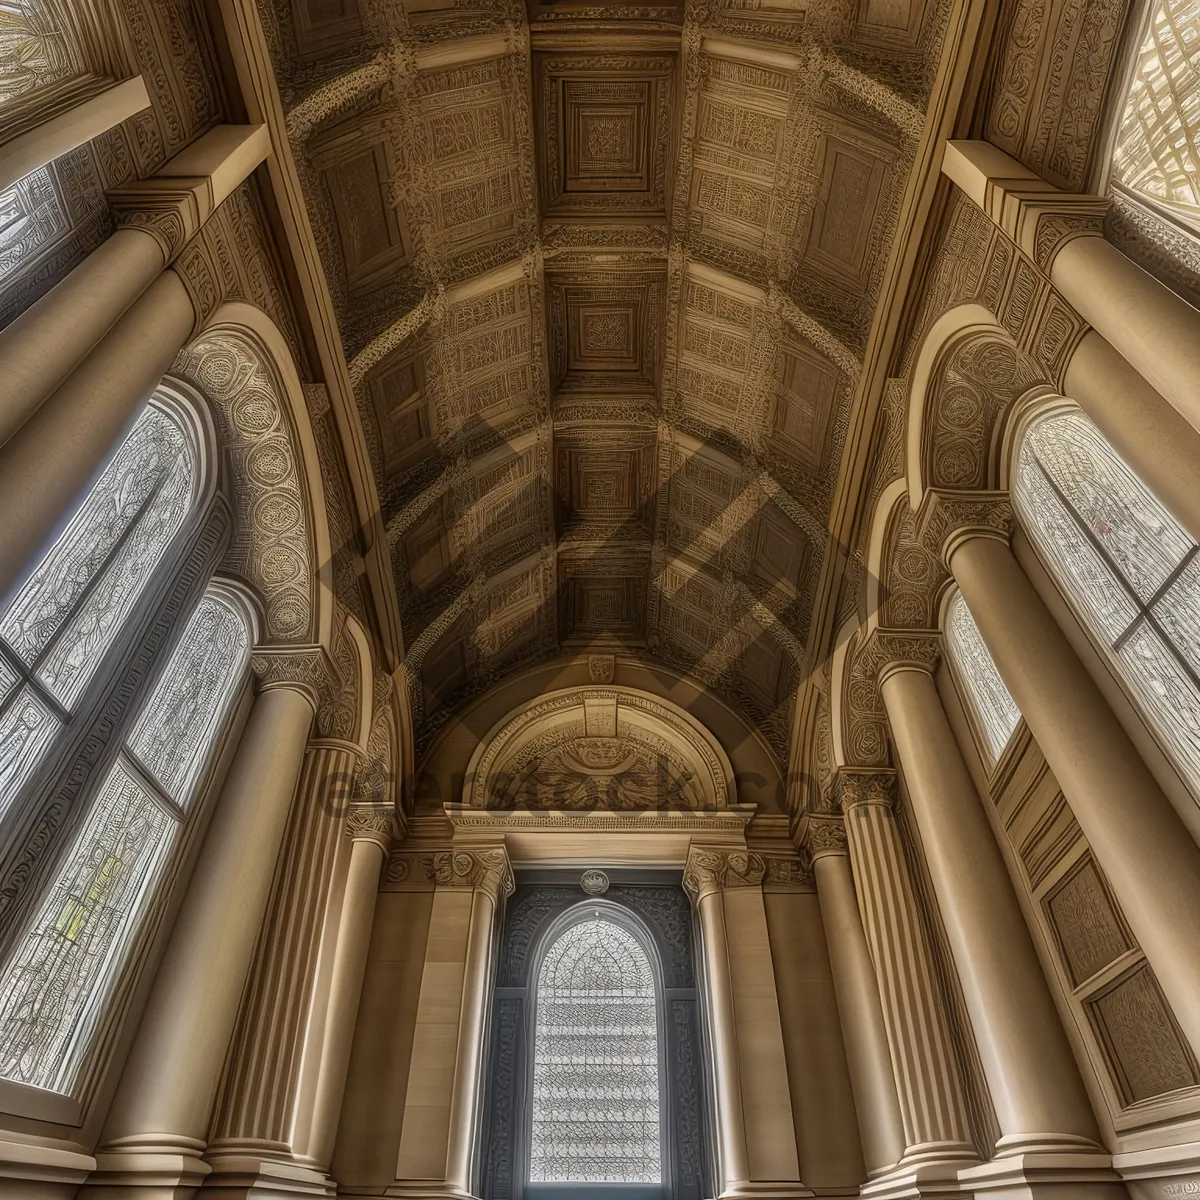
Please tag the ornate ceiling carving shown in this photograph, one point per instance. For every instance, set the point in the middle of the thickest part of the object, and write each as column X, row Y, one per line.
column 604, row 274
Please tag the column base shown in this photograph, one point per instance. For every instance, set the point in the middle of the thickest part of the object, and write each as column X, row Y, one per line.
column 251, row 1176
column 427, row 1189
column 169, row 1168
column 765, row 1189
column 1061, row 1174
column 928, row 1170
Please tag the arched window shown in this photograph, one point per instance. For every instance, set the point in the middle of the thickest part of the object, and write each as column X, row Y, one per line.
column 1127, row 566
column 56, row 983
column 1157, row 153
column 993, row 711
column 596, row 1107
column 59, row 625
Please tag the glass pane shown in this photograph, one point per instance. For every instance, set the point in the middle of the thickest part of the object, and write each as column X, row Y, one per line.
column 1179, row 613
column 54, row 987
column 153, row 447
column 1104, row 604
column 595, row 1061
column 32, row 214
column 1167, row 695
column 1141, row 538
column 994, row 708
column 1156, row 152
column 26, row 729
column 79, row 649
column 34, row 50
column 178, row 722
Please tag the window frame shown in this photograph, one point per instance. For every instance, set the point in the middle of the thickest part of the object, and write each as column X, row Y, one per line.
column 187, row 570
column 576, row 914
column 1022, row 422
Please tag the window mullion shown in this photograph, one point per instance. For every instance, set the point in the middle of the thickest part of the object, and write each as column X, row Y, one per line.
column 155, row 789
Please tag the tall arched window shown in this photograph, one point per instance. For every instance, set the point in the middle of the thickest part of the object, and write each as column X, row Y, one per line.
column 58, row 626
column 993, row 711
column 596, row 1110
column 1129, row 569
column 57, row 981
column 1157, row 153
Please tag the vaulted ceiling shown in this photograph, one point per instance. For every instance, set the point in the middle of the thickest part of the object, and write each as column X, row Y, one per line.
column 604, row 276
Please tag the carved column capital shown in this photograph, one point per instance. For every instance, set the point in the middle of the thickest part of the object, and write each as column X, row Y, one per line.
column 824, row 835
column 305, row 669
column 487, row 869
column 855, row 787
column 372, row 823
column 712, row 869
column 948, row 515
column 170, row 210
column 887, row 649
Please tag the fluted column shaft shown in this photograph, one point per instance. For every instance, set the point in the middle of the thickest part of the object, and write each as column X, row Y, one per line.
column 1035, row 1086
column 932, row 1104
column 881, row 1128
column 755, row 1129
column 1143, row 847
column 166, row 1094
column 370, row 830
column 438, row 1139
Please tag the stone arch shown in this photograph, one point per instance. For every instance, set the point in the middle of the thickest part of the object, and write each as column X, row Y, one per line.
column 281, row 543
column 958, row 324
column 600, row 746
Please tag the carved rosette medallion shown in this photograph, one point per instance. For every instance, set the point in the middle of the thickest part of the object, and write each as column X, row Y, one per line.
column 488, row 870
column 372, row 823
column 594, row 883
column 710, row 870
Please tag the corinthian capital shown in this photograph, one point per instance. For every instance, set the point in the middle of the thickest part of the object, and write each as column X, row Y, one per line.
column 854, row 787
column 710, row 870
column 372, row 823
column 824, row 835
column 487, row 869
column 949, row 514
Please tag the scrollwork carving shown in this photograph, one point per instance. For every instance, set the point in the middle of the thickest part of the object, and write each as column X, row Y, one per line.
column 710, row 870
column 489, row 870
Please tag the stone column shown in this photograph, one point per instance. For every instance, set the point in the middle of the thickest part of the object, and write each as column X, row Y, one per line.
column 1139, row 840
column 880, row 1125
column 157, row 216
column 442, row 1106
column 1036, row 1089
column 369, row 826
column 933, row 1109
column 1154, row 330
column 1161, row 446
column 755, row 1130
column 158, row 1122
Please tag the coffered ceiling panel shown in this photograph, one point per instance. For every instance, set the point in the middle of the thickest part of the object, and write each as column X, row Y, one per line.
column 604, row 132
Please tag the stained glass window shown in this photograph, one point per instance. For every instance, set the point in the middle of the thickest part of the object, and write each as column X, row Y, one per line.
column 55, row 987
column 34, row 48
column 1158, row 145
column 57, row 628
column 1126, row 564
column 596, row 1098
column 995, row 710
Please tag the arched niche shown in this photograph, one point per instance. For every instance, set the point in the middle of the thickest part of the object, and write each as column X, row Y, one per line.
column 440, row 776
column 967, row 373
column 281, row 546
column 599, row 747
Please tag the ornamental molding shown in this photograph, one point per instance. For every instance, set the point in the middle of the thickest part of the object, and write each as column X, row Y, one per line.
column 711, row 870
column 489, row 870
